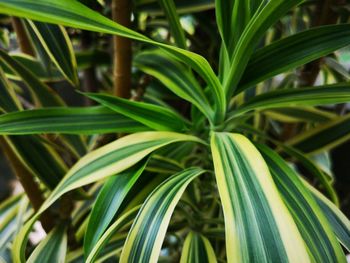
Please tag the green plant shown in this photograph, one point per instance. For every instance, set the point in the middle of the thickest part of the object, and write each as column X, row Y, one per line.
column 210, row 184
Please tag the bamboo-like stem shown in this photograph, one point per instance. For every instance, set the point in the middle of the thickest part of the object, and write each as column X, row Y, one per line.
column 30, row 187
column 121, row 12
column 22, row 38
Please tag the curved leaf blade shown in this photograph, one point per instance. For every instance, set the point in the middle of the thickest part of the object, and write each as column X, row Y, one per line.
column 175, row 77
column 154, row 116
column 322, row 95
column 294, row 51
column 312, row 224
column 80, row 16
column 147, row 233
column 108, row 203
column 41, row 93
column 52, row 249
column 108, row 160
column 87, row 120
column 125, row 219
column 323, row 137
column 265, row 17
column 57, row 45
column 338, row 221
column 197, row 248
column 258, row 226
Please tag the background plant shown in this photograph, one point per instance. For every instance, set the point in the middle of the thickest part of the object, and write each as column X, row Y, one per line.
column 210, row 144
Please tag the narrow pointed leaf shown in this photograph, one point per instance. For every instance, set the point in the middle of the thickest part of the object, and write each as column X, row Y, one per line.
column 39, row 158
column 197, row 248
column 87, row 120
column 52, row 249
column 299, row 114
column 310, row 219
column 79, row 16
column 258, row 225
column 294, row 51
column 323, row 137
column 147, row 233
column 42, row 93
column 322, row 95
column 57, row 45
column 8, row 99
column 154, row 116
column 182, row 6
column 123, row 220
column 174, row 22
column 108, row 160
column 35, row 67
column 175, row 77
column 108, row 204
column 264, row 18
column 338, row 221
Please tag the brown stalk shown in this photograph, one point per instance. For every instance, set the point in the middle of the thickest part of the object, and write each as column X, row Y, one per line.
column 26, row 179
column 121, row 12
column 29, row 185
column 22, row 37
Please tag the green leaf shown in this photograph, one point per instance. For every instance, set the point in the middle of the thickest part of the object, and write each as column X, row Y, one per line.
column 42, row 93
column 175, row 77
column 14, row 212
column 57, row 45
column 174, row 22
column 224, row 10
column 324, row 136
column 52, row 249
column 87, row 120
column 108, row 204
column 264, row 18
column 299, row 114
column 294, row 51
column 258, row 225
column 338, row 221
column 123, row 220
column 312, row 168
column 8, row 99
column 322, row 95
column 154, row 116
column 37, row 69
column 7, row 205
column 182, row 6
column 108, row 160
column 312, row 223
column 79, row 16
column 147, row 233
column 197, row 248
column 39, row 158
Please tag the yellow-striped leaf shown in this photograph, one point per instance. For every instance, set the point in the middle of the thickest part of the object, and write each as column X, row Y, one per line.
column 314, row 227
column 154, row 116
column 55, row 42
column 339, row 223
column 108, row 160
column 52, row 249
column 146, row 236
column 197, row 249
column 258, row 225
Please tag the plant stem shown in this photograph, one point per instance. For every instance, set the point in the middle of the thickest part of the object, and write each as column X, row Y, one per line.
column 30, row 187
column 22, row 37
column 121, row 12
